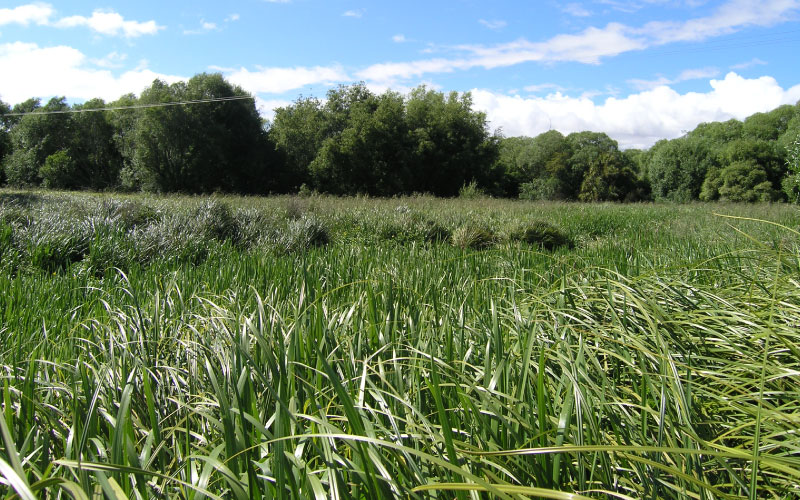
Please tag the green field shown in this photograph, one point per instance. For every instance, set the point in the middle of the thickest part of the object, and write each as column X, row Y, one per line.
column 319, row 347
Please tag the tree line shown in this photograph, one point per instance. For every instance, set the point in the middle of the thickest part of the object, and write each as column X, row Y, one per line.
column 360, row 142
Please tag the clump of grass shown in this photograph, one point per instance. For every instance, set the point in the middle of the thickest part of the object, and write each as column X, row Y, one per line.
column 539, row 233
column 173, row 237
column 406, row 226
column 129, row 213
column 474, row 236
column 53, row 241
column 215, row 220
column 302, row 234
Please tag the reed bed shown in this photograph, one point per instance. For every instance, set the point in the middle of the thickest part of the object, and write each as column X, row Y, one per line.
column 353, row 348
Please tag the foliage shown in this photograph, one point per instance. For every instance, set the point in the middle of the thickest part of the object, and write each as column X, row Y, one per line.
column 677, row 168
column 357, row 142
column 740, row 181
column 200, row 148
column 539, row 233
column 59, row 171
column 473, row 236
column 471, row 191
column 791, row 183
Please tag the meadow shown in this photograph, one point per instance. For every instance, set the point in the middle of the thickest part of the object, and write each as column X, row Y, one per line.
column 350, row 348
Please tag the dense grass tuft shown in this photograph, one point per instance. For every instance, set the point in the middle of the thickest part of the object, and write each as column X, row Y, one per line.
column 539, row 233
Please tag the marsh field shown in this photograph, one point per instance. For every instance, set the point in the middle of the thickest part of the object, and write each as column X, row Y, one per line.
column 353, row 348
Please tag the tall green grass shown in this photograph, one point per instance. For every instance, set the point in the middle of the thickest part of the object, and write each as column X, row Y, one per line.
column 225, row 348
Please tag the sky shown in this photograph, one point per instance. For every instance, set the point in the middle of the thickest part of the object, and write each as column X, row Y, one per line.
column 638, row 70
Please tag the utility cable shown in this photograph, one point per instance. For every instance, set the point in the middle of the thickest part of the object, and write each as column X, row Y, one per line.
column 133, row 106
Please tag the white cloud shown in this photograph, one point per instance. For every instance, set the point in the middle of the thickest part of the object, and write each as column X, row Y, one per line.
column 685, row 76
column 205, row 27
column 399, row 38
column 232, row 17
column 354, row 13
column 279, row 80
column 576, row 9
column 749, row 64
column 638, row 120
column 36, row 13
column 106, row 22
column 728, row 18
column 112, row 60
column 266, row 107
column 592, row 44
column 494, row 24
column 543, row 86
column 110, row 23
column 48, row 71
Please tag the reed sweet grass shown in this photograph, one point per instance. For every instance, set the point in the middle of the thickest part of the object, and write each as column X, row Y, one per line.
column 168, row 356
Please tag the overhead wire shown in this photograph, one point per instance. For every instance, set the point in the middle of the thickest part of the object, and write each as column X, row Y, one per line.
column 132, row 106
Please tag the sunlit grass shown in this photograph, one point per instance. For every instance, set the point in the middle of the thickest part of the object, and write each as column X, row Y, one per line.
column 196, row 348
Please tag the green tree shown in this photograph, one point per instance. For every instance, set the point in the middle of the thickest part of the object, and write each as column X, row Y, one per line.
column 533, row 165
column 200, row 147
column 92, row 148
column 34, row 137
column 60, row 171
column 791, row 183
column 450, row 143
column 765, row 154
column 370, row 154
column 742, row 180
column 5, row 140
column 717, row 134
column 677, row 168
column 298, row 132
column 595, row 169
column 768, row 126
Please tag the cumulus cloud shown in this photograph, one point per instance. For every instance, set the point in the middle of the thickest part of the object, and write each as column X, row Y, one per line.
column 638, row 120
column 354, row 13
column 399, row 38
column 279, row 80
column 110, row 23
column 111, row 60
column 106, row 22
column 64, row 71
column 37, row 13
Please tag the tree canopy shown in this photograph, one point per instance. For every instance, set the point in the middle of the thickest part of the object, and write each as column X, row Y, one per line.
column 356, row 141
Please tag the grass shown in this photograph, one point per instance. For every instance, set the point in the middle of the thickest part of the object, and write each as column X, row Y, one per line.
column 318, row 347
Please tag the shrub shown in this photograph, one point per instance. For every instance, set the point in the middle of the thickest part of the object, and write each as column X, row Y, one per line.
column 471, row 191
column 540, row 233
column 472, row 236
column 59, row 171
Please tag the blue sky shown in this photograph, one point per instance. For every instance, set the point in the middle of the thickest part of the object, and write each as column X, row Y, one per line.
column 639, row 70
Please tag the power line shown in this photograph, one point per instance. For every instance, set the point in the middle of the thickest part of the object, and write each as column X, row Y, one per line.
column 133, row 106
